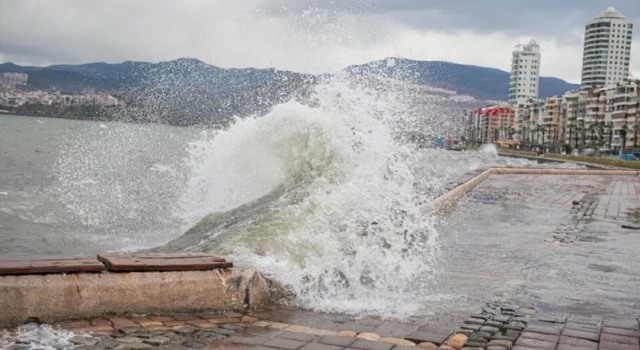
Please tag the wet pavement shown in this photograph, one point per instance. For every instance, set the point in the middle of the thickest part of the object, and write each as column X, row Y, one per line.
column 553, row 241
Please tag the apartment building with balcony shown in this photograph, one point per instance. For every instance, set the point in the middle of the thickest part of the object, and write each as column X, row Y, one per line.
column 524, row 82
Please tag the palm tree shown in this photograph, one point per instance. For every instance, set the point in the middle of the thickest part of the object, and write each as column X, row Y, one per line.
column 600, row 127
column 610, row 129
column 623, row 134
column 571, row 127
column 635, row 136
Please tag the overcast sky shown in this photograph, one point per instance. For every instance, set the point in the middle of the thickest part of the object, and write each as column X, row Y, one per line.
column 302, row 35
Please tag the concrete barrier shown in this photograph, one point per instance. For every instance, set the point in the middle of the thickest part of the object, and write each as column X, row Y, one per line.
column 58, row 297
column 448, row 199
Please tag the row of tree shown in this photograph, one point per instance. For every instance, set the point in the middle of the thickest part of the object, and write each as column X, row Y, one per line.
column 600, row 134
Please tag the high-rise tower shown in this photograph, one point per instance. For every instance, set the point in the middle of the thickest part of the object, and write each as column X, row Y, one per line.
column 525, row 73
column 607, row 50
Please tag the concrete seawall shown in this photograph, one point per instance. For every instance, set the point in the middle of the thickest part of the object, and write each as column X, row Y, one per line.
column 57, row 297
column 450, row 198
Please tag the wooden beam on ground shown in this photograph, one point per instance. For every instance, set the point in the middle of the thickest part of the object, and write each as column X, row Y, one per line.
column 163, row 262
column 48, row 265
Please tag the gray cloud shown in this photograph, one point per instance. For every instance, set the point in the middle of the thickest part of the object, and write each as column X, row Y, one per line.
column 303, row 35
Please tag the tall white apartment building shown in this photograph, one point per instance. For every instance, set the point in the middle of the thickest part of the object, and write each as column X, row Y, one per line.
column 607, row 50
column 525, row 73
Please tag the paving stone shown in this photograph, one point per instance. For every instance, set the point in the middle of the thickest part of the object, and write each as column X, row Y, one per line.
column 550, row 317
column 475, row 344
column 247, row 340
column 173, row 336
column 543, row 329
column 427, row 337
column 516, row 326
column 136, row 346
column 526, row 311
column 489, row 311
column 232, row 327
column 371, row 345
column 620, row 339
column 621, row 323
column 358, row 328
column 509, row 307
column 316, row 346
column 493, row 324
column 368, row 336
column 223, row 331
column 185, row 329
column 582, row 327
column 507, row 336
column 593, row 336
column 395, row 329
column 536, row 344
column 591, row 320
column 571, row 347
column 577, row 342
column 298, row 336
column 336, row 340
column 194, row 344
column 465, row 331
column 480, row 335
column 403, row 347
column 348, row 334
column 129, row 340
column 518, row 347
column 502, row 318
column 495, row 347
column 504, row 343
column 108, row 344
column 620, row 331
column 550, row 338
column 490, row 330
column 80, row 340
column 158, row 340
column 473, row 320
column 586, row 344
column 482, row 316
column 281, row 343
column 522, row 319
column 129, row 329
column 607, row 345
column 473, row 327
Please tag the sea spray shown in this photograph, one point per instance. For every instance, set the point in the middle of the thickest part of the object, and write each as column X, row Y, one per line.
column 321, row 196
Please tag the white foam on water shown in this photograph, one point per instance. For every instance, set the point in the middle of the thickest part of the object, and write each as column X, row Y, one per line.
column 41, row 337
column 489, row 148
column 346, row 233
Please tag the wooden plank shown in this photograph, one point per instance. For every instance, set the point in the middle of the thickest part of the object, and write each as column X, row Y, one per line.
column 48, row 265
column 165, row 256
column 162, row 262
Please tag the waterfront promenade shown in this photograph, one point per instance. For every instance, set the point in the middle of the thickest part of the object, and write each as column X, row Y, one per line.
column 531, row 261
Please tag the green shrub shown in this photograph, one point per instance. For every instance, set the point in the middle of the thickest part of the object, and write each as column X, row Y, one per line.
column 632, row 164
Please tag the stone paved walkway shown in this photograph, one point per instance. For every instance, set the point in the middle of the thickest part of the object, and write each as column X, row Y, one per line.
column 494, row 327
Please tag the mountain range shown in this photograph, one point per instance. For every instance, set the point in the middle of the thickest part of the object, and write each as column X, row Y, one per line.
column 479, row 82
column 188, row 91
